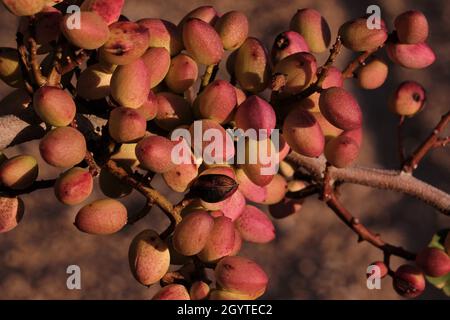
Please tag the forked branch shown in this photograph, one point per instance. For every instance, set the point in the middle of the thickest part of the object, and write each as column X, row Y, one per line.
column 377, row 178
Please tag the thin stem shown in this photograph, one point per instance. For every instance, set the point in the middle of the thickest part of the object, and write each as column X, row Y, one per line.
column 401, row 148
column 364, row 234
column 24, row 66
column 39, row 79
column 153, row 196
column 94, row 169
column 412, row 163
column 349, row 71
column 73, row 63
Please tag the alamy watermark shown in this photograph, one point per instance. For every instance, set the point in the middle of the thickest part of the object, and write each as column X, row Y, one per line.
column 373, row 277
column 374, row 18
column 74, row 279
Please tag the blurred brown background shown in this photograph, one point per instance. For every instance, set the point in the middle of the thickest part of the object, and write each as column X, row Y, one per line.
column 314, row 256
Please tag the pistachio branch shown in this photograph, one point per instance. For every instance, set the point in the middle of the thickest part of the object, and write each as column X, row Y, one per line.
column 376, row 178
column 152, row 195
column 349, row 71
column 364, row 234
column 442, row 142
column 72, row 63
column 39, row 79
column 413, row 161
column 94, row 169
column 23, row 62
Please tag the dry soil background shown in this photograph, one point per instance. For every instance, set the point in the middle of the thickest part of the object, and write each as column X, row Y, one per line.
column 314, row 255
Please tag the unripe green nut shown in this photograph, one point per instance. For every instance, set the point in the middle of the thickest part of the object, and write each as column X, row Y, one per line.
column 63, row 147
column 54, row 106
column 310, row 24
column 126, row 125
column 19, row 172
column 92, row 34
column 149, row 257
column 202, row 42
column 102, row 217
column 130, row 84
column 233, row 29
column 252, row 66
column 183, row 73
column 127, row 42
